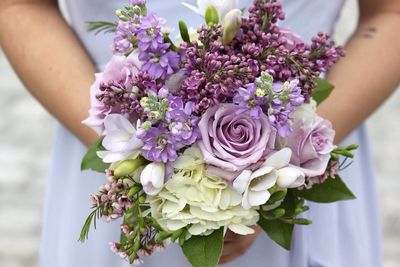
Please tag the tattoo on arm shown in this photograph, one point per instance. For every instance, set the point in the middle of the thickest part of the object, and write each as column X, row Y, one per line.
column 367, row 32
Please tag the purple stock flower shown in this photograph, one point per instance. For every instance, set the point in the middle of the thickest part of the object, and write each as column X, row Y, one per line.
column 280, row 117
column 174, row 127
column 159, row 145
column 137, row 2
column 182, row 124
column 149, row 35
column 247, row 100
column 160, row 64
column 280, row 112
column 278, row 102
column 123, row 34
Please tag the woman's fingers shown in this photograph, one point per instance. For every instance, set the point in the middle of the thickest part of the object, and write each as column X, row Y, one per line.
column 236, row 245
column 233, row 250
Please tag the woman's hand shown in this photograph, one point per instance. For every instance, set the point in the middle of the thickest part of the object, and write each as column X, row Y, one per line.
column 236, row 245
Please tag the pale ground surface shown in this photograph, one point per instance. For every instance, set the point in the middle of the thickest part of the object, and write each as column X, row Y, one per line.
column 26, row 133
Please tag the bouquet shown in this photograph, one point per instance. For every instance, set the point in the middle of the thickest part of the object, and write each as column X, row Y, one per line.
column 210, row 131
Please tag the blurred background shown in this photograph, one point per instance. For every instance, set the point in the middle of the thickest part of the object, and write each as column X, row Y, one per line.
column 26, row 134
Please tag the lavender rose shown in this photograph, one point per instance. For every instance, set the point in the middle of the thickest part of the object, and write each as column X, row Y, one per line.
column 311, row 144
column 231, row 140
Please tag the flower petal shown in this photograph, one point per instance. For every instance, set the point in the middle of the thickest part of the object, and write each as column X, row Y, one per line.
column 264, row 182
column 257, row 198
column 289, row 177
column 279, row 159
column 241, row 229
column 241, row 182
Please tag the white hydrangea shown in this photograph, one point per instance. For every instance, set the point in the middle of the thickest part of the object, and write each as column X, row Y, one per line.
column 201, row 201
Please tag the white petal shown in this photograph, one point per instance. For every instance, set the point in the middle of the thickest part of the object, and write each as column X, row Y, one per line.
column 110, row 157
column 116, row 141
column 151, row 190
column 279, row 159
column 242, row 181
column 197, row 229
column 193, row 8
column 190, row 158
column 170, row 209
column 262, row 171
column 241, row 229
column 173, row 225
column 257, row 198
column 117, row 122
column 152, row 178
column 264, row 182
column 127, row 126
column 290, row 178
column 245, row 200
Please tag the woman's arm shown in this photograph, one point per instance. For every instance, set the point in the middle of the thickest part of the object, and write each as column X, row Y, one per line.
column 49, row 60
column 363, row 80
column 370, row 72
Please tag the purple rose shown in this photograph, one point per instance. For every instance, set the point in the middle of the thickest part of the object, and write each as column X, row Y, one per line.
column 232, row 142
column 311, row 146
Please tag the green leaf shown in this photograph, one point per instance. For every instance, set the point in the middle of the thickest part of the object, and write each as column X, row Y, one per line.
column 204, row 251
column 168, row 40
column 93, row 217
column 322, row 91
column 278, row 230
column 92, row 161
column 184, row 31
column 290, row 202
column 101, row 26
column 332, row 190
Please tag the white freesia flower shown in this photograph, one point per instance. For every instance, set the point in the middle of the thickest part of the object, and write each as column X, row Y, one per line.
column 120, row 139
column 222, row 6
column 152, row 178
column 232, row 24
column 204, row 202
column 288, row 177
column 275, row 170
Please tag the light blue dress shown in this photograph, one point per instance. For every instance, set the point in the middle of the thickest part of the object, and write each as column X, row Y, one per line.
column 344, row 234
